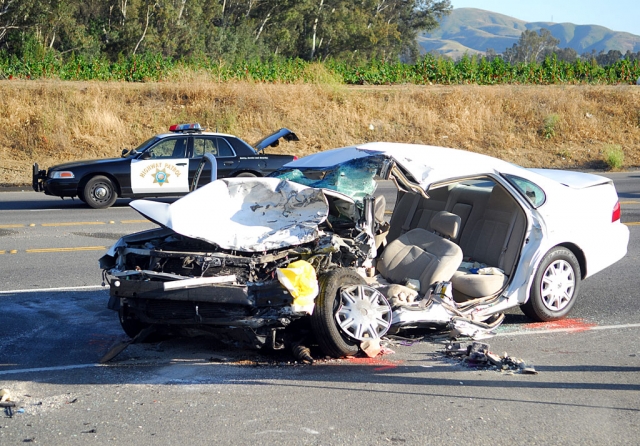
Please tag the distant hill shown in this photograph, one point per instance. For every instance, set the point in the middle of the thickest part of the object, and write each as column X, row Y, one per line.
column 474, row 30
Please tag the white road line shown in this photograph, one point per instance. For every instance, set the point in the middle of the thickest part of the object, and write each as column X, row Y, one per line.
column 51, row 369
column 64, row 288
column 566, row 330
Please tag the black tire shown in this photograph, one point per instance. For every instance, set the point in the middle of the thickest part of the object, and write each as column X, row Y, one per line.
column 130, row 324
column 555, row 286
column 99, row 192
column 330, row 338
column 246, row 175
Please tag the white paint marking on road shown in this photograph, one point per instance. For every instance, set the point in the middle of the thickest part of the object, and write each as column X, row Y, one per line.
column 64, row 288
column 50, row 369
column 567, row 330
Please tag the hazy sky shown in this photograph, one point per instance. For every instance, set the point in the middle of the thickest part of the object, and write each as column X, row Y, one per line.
column 618, row 15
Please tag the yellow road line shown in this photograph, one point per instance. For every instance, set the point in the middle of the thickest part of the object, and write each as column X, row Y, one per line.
column 11, row 226
column 629, row 202
column 633, row 223
column 135, row 221
column 74, row 223
column 2, row 252
column 79, row 248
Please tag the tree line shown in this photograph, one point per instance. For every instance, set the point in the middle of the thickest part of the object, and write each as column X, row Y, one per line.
column 535, row 47
column 229, row 30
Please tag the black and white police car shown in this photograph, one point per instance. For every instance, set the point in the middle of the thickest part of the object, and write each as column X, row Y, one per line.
column 164, row 165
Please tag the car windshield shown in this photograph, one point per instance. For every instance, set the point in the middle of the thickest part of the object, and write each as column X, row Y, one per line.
column 145, row 144
column 355, row 178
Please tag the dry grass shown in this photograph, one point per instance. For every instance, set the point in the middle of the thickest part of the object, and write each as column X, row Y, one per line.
column 50, row 122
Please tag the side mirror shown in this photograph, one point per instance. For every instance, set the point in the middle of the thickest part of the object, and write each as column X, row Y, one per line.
column 125, row 152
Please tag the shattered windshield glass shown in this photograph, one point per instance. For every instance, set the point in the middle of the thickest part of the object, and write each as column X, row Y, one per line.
column 354, row 178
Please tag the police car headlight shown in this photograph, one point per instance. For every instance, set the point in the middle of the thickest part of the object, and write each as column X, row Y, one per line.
column 61, row 174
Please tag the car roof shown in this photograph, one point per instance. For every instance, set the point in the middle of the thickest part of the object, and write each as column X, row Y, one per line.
column 165, row 135
column 427, row 164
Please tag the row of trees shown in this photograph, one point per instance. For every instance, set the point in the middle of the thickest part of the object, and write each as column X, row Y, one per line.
column 230, row 30
column 537, row 46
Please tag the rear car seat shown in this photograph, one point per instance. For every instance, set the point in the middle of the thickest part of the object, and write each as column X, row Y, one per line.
column 488, row 240
column 414, row 211
column 423, row 255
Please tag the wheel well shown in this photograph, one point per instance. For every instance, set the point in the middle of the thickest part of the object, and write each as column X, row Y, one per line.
column 254, row 172
column 582, row 261
column 87, row 177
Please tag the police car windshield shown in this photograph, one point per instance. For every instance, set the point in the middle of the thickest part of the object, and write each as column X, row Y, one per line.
column 145, row 144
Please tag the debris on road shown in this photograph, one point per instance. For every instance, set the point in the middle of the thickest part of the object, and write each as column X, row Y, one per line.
column 478, row 355
column 5, row 395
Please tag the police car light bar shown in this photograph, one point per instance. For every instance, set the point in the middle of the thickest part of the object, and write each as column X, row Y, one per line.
column 185, row 128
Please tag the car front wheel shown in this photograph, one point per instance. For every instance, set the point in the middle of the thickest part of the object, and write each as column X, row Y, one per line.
column 555, row 286
column 348, row 312
column 99, row 192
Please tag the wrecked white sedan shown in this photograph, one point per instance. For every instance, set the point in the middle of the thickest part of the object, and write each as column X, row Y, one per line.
column 308, row 255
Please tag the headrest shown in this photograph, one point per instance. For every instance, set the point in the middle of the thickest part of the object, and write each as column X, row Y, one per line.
column 446, row 223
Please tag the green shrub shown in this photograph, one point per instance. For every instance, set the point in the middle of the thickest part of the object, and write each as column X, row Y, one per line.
column 549, row 126
column 613, row 156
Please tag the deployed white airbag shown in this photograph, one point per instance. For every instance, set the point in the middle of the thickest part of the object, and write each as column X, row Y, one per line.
column 244, row 214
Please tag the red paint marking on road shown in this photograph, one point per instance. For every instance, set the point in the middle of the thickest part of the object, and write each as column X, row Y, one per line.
column 382, row 369
column 383, row 364
column 563, row 324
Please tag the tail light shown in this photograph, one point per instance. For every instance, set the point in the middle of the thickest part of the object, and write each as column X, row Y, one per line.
column 616, row 212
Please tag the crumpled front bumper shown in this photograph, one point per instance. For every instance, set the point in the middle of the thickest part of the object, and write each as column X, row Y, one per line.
column 216, row 305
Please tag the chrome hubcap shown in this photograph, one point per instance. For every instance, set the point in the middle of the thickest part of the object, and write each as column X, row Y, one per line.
column 364, row 312
column 558, row 285
column 100, row 192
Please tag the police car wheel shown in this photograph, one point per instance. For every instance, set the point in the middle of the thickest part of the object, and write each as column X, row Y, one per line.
column 99, row 192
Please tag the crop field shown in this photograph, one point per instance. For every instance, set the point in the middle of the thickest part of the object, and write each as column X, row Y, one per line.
column 563, row 126
column 428, row 70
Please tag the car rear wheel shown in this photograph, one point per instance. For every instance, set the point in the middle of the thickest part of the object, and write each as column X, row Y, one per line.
column 348, row 312
column 246, row 175
column 99, row 192
column 555, row 286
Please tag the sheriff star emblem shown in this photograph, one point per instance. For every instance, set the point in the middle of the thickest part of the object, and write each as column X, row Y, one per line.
column 161, row 177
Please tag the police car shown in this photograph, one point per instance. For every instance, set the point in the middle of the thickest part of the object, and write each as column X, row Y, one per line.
column 164, row 165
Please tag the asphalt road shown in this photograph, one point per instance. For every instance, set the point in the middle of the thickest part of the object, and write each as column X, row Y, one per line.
column 55, row 326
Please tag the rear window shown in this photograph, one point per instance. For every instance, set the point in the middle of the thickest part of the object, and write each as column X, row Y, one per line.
column 529, row 190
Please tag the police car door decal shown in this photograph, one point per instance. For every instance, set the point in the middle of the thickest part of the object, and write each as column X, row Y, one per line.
column 166, row 171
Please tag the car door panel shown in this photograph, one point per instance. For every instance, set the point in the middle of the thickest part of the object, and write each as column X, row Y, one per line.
column 164, row 169
column 218, row 147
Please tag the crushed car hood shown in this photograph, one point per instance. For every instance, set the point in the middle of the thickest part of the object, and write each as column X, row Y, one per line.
column 426, row 164
column 242, row 214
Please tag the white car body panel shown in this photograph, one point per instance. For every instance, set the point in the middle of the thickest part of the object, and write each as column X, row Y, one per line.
column 243, row 214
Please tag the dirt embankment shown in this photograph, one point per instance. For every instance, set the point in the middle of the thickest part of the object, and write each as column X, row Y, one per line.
column 543, row 126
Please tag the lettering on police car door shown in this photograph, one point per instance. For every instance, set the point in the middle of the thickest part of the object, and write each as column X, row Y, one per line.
column 160, row 176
